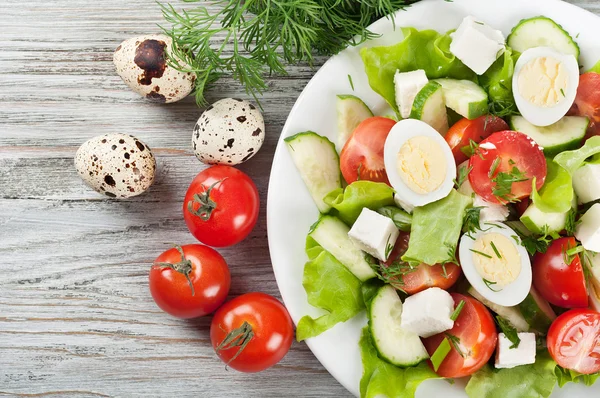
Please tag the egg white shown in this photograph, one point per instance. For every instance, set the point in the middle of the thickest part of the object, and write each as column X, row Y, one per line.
column 511, row 294
column 545, row 116
column 400, row 133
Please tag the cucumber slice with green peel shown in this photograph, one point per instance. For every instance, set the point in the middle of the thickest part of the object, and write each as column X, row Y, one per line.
column 430, row 108
column 331, row 234
column 564, row 135
column 318, row 163
column 537, row 312
column 394, row 344
column 535, row 220
column 464, row 97
column 541, row 32
column 511, row 314
column 351, row 110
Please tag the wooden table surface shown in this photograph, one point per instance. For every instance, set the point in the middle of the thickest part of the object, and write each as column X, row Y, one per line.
column 76, row 316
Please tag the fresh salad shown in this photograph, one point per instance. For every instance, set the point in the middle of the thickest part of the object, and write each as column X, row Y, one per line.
column 466, row 224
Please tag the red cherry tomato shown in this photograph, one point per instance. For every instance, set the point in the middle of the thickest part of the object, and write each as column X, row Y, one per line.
column 221, row 206
column 574, row 340
column 560, row 283
column 423, row 276
column 189, row 283
column 507, row 152
column 474, row 333
column 252, row 332
column 362, row 156
column 462, row 132
column 587, row 101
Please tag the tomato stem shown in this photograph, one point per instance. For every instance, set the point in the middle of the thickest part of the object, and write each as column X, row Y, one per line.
column 184, row 266
column 239, row 337
column 206, row 204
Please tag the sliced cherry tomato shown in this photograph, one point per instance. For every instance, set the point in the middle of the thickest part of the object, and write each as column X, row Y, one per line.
column 221, row 206
column 574, row 340
column 464, row 131
column 472, row 339
column 513, row 154
column 414, row 280
column 587, row 101
column 189, row 281
column 560, row 283
column 362, row 156
column 252, row 332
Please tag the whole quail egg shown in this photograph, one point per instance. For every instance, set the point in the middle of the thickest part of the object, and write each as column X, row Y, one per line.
column 116, row 165
column 142, row 64
column 230, row 131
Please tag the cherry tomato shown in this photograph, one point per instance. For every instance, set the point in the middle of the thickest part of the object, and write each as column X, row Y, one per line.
column 189, row 281
column 574, row 340
column 252, row 332
column 462, row 132
column 560, row 283
column 423, row 276
column 474, row 333
column 515, row 155
column 221, row 206
column 587, row 101
column 362, row 156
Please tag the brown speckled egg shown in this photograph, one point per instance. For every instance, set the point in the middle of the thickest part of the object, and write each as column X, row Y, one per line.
column 142, row 64
column 230, row 131
column 116, row 165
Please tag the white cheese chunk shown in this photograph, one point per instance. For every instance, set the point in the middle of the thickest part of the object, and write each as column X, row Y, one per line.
column 408, row 85
column 374, row 234
column 428, row 312
column 491, row 211
column 587, row 230
column 524, row 354
column 476, row 44
column 586, row 183
column 403, row 205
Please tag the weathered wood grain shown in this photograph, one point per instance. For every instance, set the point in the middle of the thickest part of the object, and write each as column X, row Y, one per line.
column 76, row 317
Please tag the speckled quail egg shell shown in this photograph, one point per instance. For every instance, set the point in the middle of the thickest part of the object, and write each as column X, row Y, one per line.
column 230, row 131
column 142, row 64
column 116, row 165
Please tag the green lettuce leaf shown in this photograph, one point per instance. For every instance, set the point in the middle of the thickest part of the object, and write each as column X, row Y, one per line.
column 556, row 195
column 436, row 229
column 526, row 381
column 329, row 286
column 497, row 82
column 420, row 49
column 565, row 376
column 572, row 160
column 348, row 203
column 383, row 379
column 595, row 68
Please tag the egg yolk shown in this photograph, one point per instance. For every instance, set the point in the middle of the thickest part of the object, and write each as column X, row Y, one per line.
column 501, row 266
column 543, row 81
column 421, row 164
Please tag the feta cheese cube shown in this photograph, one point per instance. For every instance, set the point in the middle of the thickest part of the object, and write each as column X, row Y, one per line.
column 428, row 312
column 374, row 234
column 588, row 229
column 476, row 44
column 408, row 85
column 407, row 207
column 524, row 354
column 586, row 183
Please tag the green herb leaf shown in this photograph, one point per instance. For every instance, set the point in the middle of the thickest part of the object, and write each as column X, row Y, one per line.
column 481, row 253
column 509, row 331
column 350, row 81
column 440, row 354
column 495, row 249
column 503, row 184
column 495, row 165
column 457, row 310
column 462, row 175
column 489, row 284
column 571, row 223
column 455, row 343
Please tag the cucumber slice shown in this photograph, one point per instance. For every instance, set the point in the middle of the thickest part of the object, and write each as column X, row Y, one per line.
column 511, row 314
column 351, row 110
column 429, row 107
column 464, row 97
column 537, row 312
column 394, row 344
column 332, row 234
column 535, row 220
column 318, row 163
column 564, row 135
column 541, row 32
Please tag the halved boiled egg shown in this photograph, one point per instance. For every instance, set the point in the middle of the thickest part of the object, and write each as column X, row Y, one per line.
column 545, row 85
column 496, row 264
column 418, row 162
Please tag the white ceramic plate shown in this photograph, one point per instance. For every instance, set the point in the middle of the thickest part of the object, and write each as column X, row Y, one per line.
column 290, row 209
